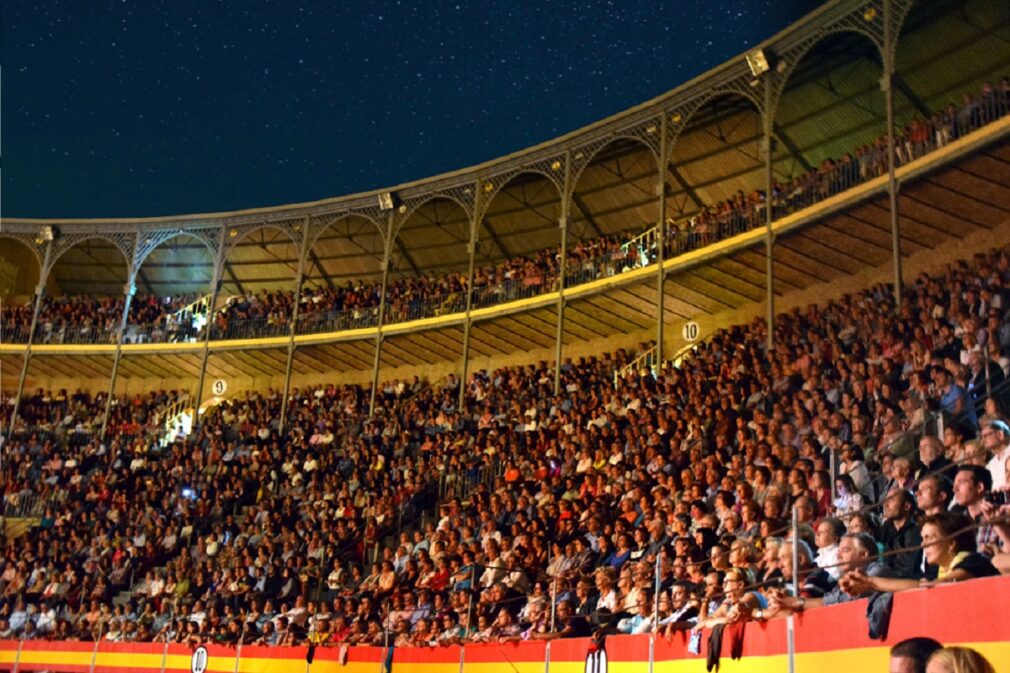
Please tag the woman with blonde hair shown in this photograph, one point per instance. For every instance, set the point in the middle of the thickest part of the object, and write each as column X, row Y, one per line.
column 958, row 660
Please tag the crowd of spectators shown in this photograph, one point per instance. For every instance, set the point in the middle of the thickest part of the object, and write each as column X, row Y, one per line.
column 356, row 303
column 918, row 138
column 88, row 319
column 530, row 514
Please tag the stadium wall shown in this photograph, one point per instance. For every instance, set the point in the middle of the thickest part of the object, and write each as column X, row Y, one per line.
column 826, row 639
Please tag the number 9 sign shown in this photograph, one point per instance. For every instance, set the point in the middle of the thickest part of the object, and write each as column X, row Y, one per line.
column 219, row 387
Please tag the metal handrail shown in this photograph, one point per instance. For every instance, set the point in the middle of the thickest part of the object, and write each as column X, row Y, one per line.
column 647, row 359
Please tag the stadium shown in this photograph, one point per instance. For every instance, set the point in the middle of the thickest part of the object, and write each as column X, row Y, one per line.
column 731, row 364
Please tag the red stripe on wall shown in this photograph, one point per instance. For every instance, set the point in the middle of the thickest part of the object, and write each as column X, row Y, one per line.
column 426, row 655
column 481, row 653
column 967, row 612
column 973, row 611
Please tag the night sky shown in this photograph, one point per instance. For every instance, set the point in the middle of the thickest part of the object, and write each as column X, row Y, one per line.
column 155, row 108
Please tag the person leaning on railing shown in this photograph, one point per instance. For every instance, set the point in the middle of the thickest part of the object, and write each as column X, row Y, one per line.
column 949, row 550
column 857, row 553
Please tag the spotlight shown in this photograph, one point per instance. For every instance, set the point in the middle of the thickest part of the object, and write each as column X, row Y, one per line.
column 49, row 233
column 758, row 62
column 388, row 200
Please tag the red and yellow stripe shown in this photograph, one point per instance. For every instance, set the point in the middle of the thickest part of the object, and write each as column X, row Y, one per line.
column 829, row 639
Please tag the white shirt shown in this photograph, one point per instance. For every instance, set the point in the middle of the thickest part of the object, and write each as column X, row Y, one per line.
column 997, row 468
column 827, row 558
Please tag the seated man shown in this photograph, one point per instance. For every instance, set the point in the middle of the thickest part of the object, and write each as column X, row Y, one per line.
column 971, row 484
column 900, row 532
column 911, row 655
column 814, row 581
column 641, row 621
column 856, row 551
column 933, row 494
column 738, row 605
column 684, row 611
column 568, row 624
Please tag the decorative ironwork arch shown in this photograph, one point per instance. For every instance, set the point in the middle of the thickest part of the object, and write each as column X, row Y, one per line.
column 151, row 241
column 33, row 242
column 681, row 118
column 796, row 56
column 900, row 9
column 415, row 204
column 648, row 137
column 239, row 233
column 550, row 168
column 123, row 241
column 320, row 224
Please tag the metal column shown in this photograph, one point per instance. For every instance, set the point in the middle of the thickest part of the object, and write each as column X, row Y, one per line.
column 768, row 117
column 215, row 288
column 382, row 310
column 306, row 228
column 562, row 269
column 128, row 292
column 661, row 239
column 39, row 293
column 892, row 184
column 472, row 249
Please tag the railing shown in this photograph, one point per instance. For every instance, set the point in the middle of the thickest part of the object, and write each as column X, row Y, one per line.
column 425, row 307
column 461, row 484
column 647, row 359
column 20, row 505
column 615, row 260
column 75, row 334
column 14, row 334
column 77, row 435
column 511, row 289
column 318, row 322
column 428, row 385
column 251, row 328
column 173, row 419
column 199, row 307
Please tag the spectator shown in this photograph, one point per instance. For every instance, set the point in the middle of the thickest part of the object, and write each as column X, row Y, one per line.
column 958, row 660
column 900, row 533
column 829, row 533
column 949, row 552
column 996, row 440
column 933, row 494
column 912, row 654
column 857, row 553
column 971, row 484
column 932, row 459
